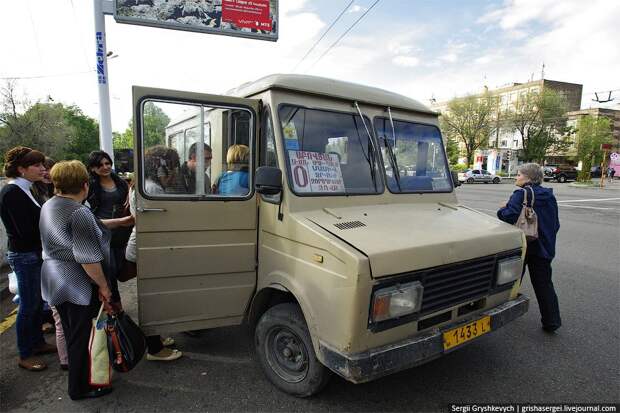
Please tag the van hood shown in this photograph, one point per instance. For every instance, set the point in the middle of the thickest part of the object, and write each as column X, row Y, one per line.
column 399, row 238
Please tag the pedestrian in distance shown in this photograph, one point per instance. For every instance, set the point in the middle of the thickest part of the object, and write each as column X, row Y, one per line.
column 76, row 256
column 541, row 251
column 20, row 214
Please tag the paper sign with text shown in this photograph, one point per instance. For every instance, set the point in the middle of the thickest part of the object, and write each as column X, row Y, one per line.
column 315, row 172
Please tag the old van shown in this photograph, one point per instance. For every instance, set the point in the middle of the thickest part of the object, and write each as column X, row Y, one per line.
column 323, row 214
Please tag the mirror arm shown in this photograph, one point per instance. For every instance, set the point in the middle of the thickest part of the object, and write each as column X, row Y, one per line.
column 280, row 214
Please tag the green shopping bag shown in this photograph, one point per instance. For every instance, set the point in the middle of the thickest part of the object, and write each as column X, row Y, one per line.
column 100, row 371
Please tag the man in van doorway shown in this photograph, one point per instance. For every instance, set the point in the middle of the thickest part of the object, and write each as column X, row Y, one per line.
column 188, row 169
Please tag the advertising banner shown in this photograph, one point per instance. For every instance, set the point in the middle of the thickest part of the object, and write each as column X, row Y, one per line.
column 254, row 19
column 316, row 172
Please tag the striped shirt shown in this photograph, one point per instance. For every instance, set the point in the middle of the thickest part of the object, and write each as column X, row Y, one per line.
column 71, row 236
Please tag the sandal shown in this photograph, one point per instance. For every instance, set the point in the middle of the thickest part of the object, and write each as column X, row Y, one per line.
column 46, row 348
column 32, row 364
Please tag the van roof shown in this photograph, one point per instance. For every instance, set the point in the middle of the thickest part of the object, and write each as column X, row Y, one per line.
column 316, row 85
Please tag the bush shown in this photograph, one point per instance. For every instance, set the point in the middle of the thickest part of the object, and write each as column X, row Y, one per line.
column 459, row 167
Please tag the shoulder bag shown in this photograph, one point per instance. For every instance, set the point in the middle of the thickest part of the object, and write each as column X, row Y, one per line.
column 528, row 220
column 126, row 342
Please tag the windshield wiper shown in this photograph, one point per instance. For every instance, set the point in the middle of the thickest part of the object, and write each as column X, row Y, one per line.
column 393, row 162
column 371, row 148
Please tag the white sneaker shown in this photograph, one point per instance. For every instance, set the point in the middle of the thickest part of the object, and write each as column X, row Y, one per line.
column 165, row 354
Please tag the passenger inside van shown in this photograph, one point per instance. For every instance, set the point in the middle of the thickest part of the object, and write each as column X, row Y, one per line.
column 161, row 166
column 235, row 180
column 188, row 170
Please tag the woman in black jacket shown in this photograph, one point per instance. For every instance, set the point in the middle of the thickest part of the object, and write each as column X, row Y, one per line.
column 20, row 214
column 107, row 199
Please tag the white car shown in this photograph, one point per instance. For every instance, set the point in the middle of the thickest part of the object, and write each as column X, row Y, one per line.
column 478, row 175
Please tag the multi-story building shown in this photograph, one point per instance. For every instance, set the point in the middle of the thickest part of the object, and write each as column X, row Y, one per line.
column 503, row 144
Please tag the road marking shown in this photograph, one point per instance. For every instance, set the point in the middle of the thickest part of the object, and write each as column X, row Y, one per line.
column 8, row 321
column 589, row 200
column 585, row 207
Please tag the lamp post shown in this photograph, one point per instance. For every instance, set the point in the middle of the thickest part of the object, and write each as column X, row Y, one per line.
column 101, row 8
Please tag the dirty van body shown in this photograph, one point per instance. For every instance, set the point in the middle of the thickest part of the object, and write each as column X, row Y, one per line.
column 343, row 244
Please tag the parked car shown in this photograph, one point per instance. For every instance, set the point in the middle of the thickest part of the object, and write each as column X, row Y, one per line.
column 560, row 173
column 478, row 175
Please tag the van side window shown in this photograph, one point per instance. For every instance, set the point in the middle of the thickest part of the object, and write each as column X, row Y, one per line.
column 179, row 139
column 268, row 155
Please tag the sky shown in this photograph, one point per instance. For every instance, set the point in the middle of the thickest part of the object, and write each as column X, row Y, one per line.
column 419, row 48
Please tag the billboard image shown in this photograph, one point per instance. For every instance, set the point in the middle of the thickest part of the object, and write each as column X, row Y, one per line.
column 256, row 19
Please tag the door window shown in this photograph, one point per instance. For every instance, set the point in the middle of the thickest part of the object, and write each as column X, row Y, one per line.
column 171, row 154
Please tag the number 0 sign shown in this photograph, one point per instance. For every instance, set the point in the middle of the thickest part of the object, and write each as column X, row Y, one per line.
column 316, row 172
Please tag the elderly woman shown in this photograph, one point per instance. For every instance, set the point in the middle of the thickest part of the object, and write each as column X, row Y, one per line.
column 235, row 180
column 75, row 253
column 540, row 252
column 20, row 213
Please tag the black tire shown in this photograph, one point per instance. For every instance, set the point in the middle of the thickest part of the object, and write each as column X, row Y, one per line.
column 470, row 180
column 562, row 179
column 496, row 180
column 285, row 352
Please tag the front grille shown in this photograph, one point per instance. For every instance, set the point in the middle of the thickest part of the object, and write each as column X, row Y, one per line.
column 452, row 284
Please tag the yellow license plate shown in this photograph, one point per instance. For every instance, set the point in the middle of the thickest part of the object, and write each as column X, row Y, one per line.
column 460, row 335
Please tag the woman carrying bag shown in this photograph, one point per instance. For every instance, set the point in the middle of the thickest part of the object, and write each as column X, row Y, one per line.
column 76, row 252
column 541, row 245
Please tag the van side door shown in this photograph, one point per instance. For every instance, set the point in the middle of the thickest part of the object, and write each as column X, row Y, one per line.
column 195, row 208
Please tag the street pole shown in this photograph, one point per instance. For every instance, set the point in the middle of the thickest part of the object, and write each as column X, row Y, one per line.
column 101, row 8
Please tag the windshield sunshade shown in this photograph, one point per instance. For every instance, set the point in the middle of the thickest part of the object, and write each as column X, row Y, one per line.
column 414, row 157
column 328, row 153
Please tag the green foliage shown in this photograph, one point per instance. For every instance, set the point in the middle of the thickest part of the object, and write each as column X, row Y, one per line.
column 123, row 140
column 452, row 150
column 540, row 119
column 469, row 120
column 459, row 167
column 591, row 133
column 83, row 136
column 155, row 121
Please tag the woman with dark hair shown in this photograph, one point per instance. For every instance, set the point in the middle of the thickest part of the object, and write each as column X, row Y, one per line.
column 107, row 198
column 20, row 214
column 541, row 251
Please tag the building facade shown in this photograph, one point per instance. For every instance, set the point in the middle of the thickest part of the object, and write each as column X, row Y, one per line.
column 501, row 155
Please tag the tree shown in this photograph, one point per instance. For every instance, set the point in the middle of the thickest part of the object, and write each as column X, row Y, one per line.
column 540, row 119
column 591, row 133
column 469, row 120
column 452, row 150
column 155, row 121
column 61, row 132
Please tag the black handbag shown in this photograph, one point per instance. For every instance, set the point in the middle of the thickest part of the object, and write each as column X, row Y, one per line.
column 126, row 342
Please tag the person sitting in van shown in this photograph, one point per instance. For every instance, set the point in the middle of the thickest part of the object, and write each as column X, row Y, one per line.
column 161, row 165
column 188, row 169
column 235, row 180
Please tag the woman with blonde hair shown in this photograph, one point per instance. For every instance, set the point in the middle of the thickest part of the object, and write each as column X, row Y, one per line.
column 76, row 254
column 235, row 180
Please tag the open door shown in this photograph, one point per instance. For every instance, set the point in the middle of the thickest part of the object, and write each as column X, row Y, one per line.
column 196, row 231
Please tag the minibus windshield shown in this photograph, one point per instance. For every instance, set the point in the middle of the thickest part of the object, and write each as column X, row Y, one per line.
column 413, row 155
column 328, row 153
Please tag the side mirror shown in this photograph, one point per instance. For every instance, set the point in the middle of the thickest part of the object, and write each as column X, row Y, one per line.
column 268, row 180
column 455, row 178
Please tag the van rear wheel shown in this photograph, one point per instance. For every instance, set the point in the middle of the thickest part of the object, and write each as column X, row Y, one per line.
column 285, row 351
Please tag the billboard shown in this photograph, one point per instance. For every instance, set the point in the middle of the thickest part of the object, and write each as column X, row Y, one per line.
column 255, row 19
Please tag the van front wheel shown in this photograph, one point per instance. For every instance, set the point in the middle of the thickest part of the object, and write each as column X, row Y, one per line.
column 285, row 351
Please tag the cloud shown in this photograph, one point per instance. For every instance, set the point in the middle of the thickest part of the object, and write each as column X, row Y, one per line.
column 357, row 9
column 406, row 61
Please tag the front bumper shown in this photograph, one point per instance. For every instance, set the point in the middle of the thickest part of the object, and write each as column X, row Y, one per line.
column 378, row 362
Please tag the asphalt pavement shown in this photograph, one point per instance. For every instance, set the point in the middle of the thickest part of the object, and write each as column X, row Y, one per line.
column 517, row 364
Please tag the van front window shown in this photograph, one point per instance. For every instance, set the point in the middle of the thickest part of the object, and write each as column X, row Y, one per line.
column 329, row 153
column 414, row 157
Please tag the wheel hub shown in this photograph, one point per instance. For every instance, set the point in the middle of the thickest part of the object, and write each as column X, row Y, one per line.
column 287, row 354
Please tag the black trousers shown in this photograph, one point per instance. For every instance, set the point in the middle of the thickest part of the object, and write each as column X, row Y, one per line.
column 76, row 323
column 540, row 275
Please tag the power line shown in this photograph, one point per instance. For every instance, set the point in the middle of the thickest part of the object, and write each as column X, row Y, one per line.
column 46, row 76
column 323, row 35
column 345, row 33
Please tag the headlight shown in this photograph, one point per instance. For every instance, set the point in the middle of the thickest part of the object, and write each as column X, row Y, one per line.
column 396, row 301
column 509, row 270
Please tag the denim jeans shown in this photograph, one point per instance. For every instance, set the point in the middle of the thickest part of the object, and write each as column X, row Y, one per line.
column 27, row 267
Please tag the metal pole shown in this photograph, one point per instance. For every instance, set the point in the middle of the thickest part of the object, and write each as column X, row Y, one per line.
column 105, row 124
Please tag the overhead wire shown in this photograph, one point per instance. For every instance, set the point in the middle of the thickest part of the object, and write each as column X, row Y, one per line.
column 323, row 35
column 345, row 33
column 46, row 76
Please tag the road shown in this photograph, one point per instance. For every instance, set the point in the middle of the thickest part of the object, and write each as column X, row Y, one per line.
column 581, row 363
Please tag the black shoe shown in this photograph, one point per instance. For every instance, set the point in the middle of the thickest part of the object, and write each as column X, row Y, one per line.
column 550, row 329
column 101, row 391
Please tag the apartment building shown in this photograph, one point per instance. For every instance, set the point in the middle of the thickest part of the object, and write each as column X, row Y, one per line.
column 505, row 140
